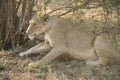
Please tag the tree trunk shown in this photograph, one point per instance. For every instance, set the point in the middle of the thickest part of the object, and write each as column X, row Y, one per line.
column 8, row 24
column 13, row 21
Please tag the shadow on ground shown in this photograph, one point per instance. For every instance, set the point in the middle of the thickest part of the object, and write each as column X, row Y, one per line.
column 12, row 67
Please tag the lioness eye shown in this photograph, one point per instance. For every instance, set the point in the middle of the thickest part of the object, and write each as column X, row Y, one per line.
column 34, row 24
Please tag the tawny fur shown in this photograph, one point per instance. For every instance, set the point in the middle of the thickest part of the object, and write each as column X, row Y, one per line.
column 64, row 37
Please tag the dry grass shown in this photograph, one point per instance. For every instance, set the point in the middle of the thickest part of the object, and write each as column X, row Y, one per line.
column 13, row 67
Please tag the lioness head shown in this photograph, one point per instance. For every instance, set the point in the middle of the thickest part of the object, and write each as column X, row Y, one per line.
column 35, row 27
column 38, row 26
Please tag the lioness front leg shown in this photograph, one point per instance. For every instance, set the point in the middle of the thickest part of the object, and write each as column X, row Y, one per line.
column 100, row 62
column 54, row 53
column 36, row 49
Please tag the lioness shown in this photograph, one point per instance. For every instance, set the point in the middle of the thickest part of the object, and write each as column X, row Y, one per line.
column 61, row 37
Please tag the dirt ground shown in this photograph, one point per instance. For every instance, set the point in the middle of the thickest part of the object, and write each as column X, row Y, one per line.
column 13, row 67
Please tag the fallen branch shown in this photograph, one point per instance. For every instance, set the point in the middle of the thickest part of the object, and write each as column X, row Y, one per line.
column 75, row 8
column 58, row 9
column 104, row 31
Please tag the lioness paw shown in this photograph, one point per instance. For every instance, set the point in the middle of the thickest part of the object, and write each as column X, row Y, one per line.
column 96, row 63
column 22, row 54
column 33, row 65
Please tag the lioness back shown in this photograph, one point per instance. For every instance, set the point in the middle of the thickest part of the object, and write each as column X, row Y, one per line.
column 79, row 45
column 78, row 42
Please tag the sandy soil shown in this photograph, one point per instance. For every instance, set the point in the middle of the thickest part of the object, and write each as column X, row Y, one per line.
column 12, row 67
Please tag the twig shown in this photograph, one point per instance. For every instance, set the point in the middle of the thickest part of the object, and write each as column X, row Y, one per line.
column 65, row 13
column 104, row 31
column 61, row 7
column 75, row 8
column 58, row 9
